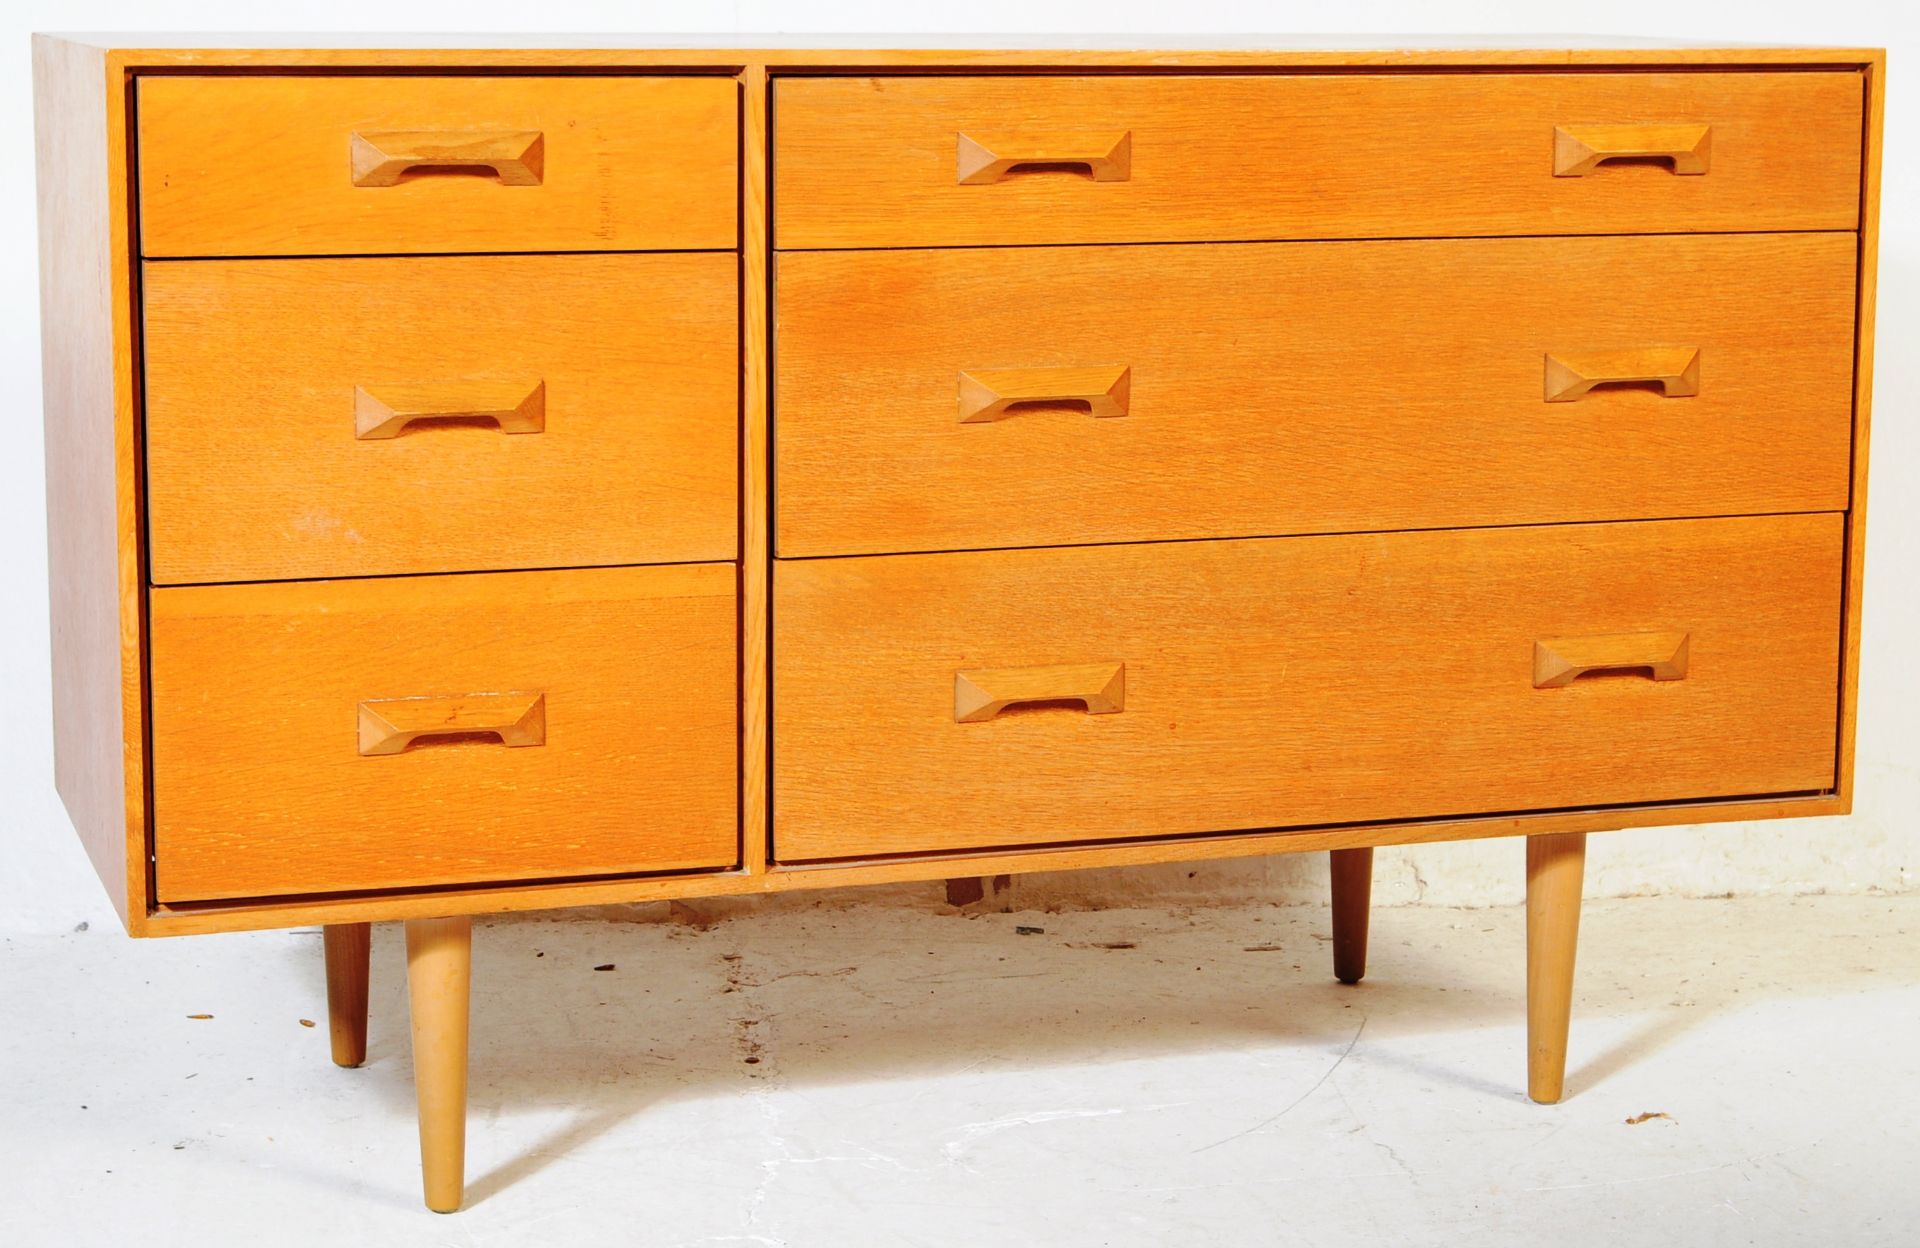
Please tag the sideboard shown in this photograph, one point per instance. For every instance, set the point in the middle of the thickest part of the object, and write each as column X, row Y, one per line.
column 488, row 477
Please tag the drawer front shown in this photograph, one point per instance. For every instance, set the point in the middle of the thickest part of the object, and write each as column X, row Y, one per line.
column 1047, row 696
column 955, row 399
column 332, row 736
column 904, row 162
column 354, row 417
column 285, row 166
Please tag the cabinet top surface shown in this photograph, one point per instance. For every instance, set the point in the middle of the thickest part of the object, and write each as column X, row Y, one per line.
column 817, row 51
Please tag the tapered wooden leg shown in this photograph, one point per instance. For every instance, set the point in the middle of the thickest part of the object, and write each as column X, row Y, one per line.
column 965, row 890
column 347, row 947
column 1555, row 865
column 969, row 889
column 1352, row 900
column 439, row 973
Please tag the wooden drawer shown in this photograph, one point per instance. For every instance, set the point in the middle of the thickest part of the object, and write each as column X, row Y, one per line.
column 331, row 736
column 1297, row 681
column 903, row 162
column 280, row 392
column 281, row 166
column 952, row 399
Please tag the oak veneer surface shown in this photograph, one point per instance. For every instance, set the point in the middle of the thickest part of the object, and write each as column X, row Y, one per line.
column 1296, row 681
column 1280, row 388
column 262, row 165
column 88, row 387
column 728, row 53
column 872, row 161
column 351, row 368
column 511, row 896
column 261, row 787
column 1794, row 181
column 1876, row 89
column 256, row 369
column 1555, row 865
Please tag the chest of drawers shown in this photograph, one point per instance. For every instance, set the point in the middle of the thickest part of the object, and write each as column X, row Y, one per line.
column 495, row 478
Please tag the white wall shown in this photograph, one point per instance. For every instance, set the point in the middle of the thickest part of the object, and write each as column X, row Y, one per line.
column 45, row 883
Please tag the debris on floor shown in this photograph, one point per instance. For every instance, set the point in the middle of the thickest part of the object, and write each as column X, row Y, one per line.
column 743, row 1086
column 695, row 917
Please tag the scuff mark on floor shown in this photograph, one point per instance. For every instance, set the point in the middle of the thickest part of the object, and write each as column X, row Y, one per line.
column 1298, row 1100
column 974, row 1131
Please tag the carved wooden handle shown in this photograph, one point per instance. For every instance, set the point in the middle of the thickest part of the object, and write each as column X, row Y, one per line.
column 1570, row 374
column 384, row 411
column 1563, row 660
column 390, row 725
column 994, row 393
column 388, row 157
column 1103, row 156
column 1581, row 150
column 982, row 693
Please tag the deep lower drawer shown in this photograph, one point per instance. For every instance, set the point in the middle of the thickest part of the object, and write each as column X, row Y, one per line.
column 955, row 701
column 333, row 736
column 273, row 165
column 360, row 417
column 938, row 161
column 956, row 399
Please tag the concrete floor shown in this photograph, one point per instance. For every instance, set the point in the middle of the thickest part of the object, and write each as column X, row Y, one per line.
column 886, row 1076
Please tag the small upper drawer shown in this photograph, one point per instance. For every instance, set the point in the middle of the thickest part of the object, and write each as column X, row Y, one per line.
column 954, row 398
column 270, row 166
column 901, row 162
column 402, row 732
column 366, row 416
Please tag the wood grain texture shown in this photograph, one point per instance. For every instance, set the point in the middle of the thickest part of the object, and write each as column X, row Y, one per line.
column 439, row 998
column 1278, row 388
column 1874, row 88
column 981, row 694
column 348, row 949
column 257, row 166
column 833, row 56
column 995, row 156
column 1351, row 880
column 386, row 410
column 89, row 394
column 391, row 157
column 780, row 878
column 255, row 471
column 987, row 394
column 1559, row 661
column 1556, row 865
column 932, row 52
column 1297, row 681
column 396, row 725
column 260, row 787
column 1684, row 148
column 1572, row 375
column 756, row 489
column 869, row 162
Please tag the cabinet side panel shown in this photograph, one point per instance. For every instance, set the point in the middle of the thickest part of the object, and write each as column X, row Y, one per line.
column 92, row 508
column 1874, row 85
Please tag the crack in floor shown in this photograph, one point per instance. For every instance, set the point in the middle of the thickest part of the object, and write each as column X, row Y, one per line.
column 1298, row 1100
